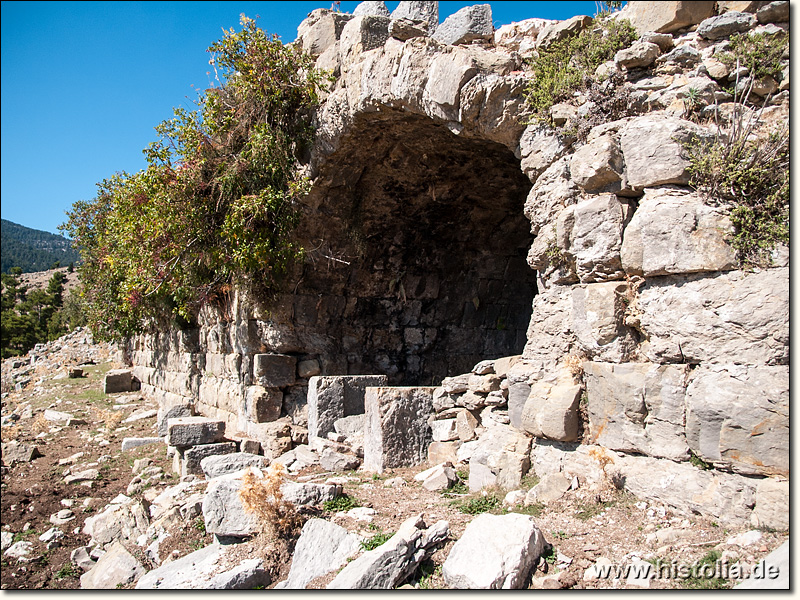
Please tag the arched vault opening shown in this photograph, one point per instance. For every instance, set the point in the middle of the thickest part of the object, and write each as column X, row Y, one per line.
column 416, row 244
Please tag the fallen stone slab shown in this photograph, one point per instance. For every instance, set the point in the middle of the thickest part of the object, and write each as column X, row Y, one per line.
column 771, row 573
column 330, row 460
column 223, row 511
column 14, row 452
column 428, row 12
column 131, row 443
column 194, row 431
column 61, row 418
column 20, row 550
column 301, row 494
column 118, row 380
column 191, row 458
column 222, row 464
column 86, row 475
column 438, row 478
column 139, row 415
column 115, row 568
column 80, row 558
column 174, row 412
column 323, row 547
column 122, row 520
column 550, row 488
column 211, row 568
column 388, row 565
column 495, row 552
column 62, row 517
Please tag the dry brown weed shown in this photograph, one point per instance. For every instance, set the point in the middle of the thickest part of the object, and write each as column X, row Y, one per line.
column 263, row 497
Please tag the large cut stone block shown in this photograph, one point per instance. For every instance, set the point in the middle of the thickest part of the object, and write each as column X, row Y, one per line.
column 637, row 407
column 666, row 17
column 772, row 505
column 598, row 319
column 332, row 398
column 428, row 12
column 193, row 431
column 596, row 238
column 321, row 30
column 263, row 404
column 552, row 408
column 275, row 370
column 738, row 417
column 118, row 380
column 362, row 34
column 735, row 317
column 467, row 25
column 192, row 457
column 673, row 231
column 396, row 433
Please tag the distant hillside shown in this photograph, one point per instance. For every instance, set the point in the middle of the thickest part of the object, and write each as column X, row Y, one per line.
column 32, row 250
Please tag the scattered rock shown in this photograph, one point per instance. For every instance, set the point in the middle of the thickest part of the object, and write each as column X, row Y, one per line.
column 550, row 488
column 467, row 25
column 115, row 568
column 222, row 464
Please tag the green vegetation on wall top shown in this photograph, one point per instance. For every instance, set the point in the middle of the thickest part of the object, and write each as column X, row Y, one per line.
column 217, row 201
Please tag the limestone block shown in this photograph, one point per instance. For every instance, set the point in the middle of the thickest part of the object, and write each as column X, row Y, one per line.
column 362, row 34
column 673, row 231
column 275, row 370
column 308, row 368
column 117, row 380
column 640, row 54
column 467, row 25
column 405, row 29
column 539, row 146
column 637, row 407
column 321, row 30
column 596, row 238
column 122, row 520
column 330, row 460
column 275, row 437
column 428, row 12
column 332, row 398
column 192, row 457
column 301, row 494
column 597, row 316
column 511, row 468
column 734, row 317
column 223, row 511
column 749, row 6
column 444, row 430
column 480, row 476
column 552, row 409
column 772, row 505
column 495, row 552
column 550, row 334
column 520, row 36
column 774, row 12
column 465, row 425
column 666, row 17
column 725, row 25
column 440, row 452
column 116, row 567
column 370, row 8
column 396, row 430
column 652, row 147
column 131, row 443
column 597, row 166
column 222, row 464
column 550, row 488
column 664, row 41
column 562, row 30
column 448, row 74
column 192, row 431
column 322, row 547
column 737, row 417
column 263, row 404
column 173, row 412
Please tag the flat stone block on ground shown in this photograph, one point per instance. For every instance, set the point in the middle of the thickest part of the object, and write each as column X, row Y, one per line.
column 118, row 380
column 193, row 431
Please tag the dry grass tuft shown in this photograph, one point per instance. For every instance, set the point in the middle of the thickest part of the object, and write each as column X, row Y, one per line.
column 110, row 418
column 10, row 432
column 574, row 365
column 40, row 424
column 263, row 497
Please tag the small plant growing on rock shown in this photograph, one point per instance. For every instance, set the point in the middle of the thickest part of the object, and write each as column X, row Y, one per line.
column 759, row 53
column 376, row 540
column 574, row 364
column 341, row 503
column 277, row 517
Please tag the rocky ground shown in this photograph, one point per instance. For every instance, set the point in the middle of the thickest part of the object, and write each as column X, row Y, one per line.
column 79, row 467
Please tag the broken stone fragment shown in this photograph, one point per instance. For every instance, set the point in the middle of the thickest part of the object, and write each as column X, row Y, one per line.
column 118, row 380
column 192, row 431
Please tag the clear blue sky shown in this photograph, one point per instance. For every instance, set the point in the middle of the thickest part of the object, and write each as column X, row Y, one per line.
column 85, row 83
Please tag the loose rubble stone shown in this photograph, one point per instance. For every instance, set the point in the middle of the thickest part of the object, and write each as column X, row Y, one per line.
column 115, row 568
column 122, row 520
column 428, row 12
column 438, row 478
column 322, row 547
column 776, row 562
column 302, row 494
column 377, row 9
column 85, row 475
column 14, row 452
column 666, row 17
column 55, row 416
column 331, row 460
column 223, row 512
column 80, row 557
column 725, row 25
column 466, row 25
column 774, row 12
column 549, row 489
column 211, row 568
column 495, row 552
column 396, row 431
column 20, row 550
column 321, row 30
column 640, row 54
column 390, row 564
column 222, row 464
column 131, row 443
column 562, row 30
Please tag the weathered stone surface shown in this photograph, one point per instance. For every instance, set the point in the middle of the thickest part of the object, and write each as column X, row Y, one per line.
column 55, row 416
column 275, row 370
column 275, row 437
column 737, row 417
column 447, row 75
column 211, row 568
column 223, row 511
column 263, row 404
column 638, row 407
column 308, row 368
column 14, row 452
column 774, row 12
column 640, row 54
column 653, row 151
column 550, row 331
column 309, row 493
column 749, row 6
column 551, row 410
column 562, row 30
column 597, row 166
column 222, row 464
column 725, row 25
column 439, row 452
column 466, row 25
column 322, row 547
column 122, row 520
column 495, row 552
column 370, row 8
column 444, row 430
column 550, row 488
column 173, row 412
column 388, row 565
column 405, row 29
column 20, row 550
column 131, row 443
column 540, row 146
column 596, row 238
column 80, row 557
column 663, row 40
column 117, row 380
column 362, row 34
column 776, row 562
column 192, row 431
column 437, row 478
column 465, row 425
column 520, row 36
column 332, row 398
column 685, row 56
column 480, row 476
column 396, row 430
column 597, row 317
column 330, row 460
column 352, row 426
column 321, row 30
column 734, row 317
column 115, row 568
column 772, row 505
column 673, row 231
column 666, row 17
column 427, row 12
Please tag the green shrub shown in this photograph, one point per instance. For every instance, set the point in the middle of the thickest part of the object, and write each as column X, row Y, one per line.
column 376, row 540
column 340, row 503
column 751, row 176
column 569, row 65
column 478, row 504
column 215, row 205
column 760, row 53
